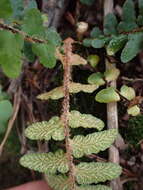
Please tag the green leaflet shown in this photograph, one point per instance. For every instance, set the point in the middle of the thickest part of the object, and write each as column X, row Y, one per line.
column 62, row 183
column 110, row 24
column 32, row 19
column 132, row 48
column 107, row 95
column 134, row 110
column 116, row 44
column 96, row 32
column 5, row 113
column 5, row 9
column 87, row 42
column 87, row 173
column 76, row 119
column 53, row 37
column 10, row 53
column 46, row 162
column 129, row 18
column 46, row 130
column 96, row 78
column 93, row 60
column 98, row 43
column 46, row 54
column 54, row 128
column 57, row 93
column 93, row 143
column 127, row 92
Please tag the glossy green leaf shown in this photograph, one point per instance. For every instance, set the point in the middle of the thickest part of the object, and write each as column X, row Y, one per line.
column 10, row 53
column 5, row 9
column 87, row 42
column 116, row 44
column 53, row 37
column 133, row 47
column 127, row 92
column 107, row 95
column 134, row 110
column 96, row 78
column 46, row 54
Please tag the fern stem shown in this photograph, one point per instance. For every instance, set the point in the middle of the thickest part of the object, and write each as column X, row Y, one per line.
column 66, row 106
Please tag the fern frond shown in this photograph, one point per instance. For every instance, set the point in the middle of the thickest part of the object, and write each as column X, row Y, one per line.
column 53, row 128
column 95, row 172
column 93, row 143
column 76, row 119
column 46, row 162
column 57, row 93
column 61, row 182
column 46, row 130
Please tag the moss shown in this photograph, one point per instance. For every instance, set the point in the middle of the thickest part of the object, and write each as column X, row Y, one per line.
column 134, row 131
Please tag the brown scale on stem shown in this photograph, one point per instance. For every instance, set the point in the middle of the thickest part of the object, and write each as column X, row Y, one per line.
column 66, row 107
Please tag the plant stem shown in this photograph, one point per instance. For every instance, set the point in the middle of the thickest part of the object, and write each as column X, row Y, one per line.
column 66, row 106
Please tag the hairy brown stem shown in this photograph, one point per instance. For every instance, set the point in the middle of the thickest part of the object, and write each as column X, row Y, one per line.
column 66, row 106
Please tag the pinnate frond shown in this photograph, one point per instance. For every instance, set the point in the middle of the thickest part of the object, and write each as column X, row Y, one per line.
column 95, row 172
column 46, row 130
column 57, row 93
column 46, row 162
column 61, row 182
column 93, row 143
column 76, row 119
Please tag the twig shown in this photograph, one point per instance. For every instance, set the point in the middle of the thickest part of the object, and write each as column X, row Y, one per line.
column 112, row 113
column 17, row 101
column 66, row 106
column 132, row 80
column 25, row 35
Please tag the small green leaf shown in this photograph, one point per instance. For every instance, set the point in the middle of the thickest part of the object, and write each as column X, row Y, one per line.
column 18, row 8
column 132, row 48
column 87, row 42
column 110, row 24
column 93, row 60
column 5, row 9
column 127, row 92
column 111, row 72
column 53, row 37
column 96, row 78
column 5, row 113
column 134, row 110
column 116, row 44
column 32, row 19
column 94, row 172
column 98, row 43
column 107, row 95
column 46, row 54
column 10, row 53
column 95, row 32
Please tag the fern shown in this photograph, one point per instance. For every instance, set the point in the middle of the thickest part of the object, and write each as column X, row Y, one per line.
column 62, row 183
column 46, row 162
column 87, row 173
column 93, row 143
column 57, row 93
